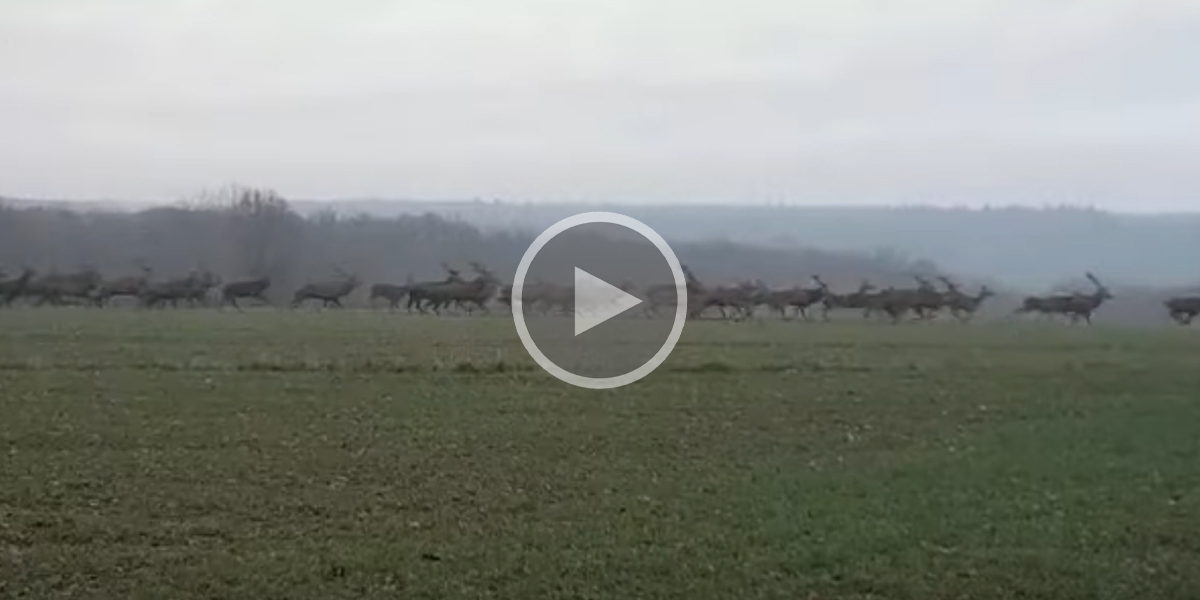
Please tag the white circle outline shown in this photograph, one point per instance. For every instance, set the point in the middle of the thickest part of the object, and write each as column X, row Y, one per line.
column 599, row 383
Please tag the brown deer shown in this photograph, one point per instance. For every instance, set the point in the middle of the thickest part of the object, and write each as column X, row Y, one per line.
column 131, row 287
column 859, row 299
column 962, row 305
column 1074, row 306
column 11, row 289
column 248, row 289
column 1183, row 308
column 330, row 293
column 392, row 293
column 56, row 288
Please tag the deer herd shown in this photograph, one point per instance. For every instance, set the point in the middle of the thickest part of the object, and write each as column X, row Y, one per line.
column 479, row 291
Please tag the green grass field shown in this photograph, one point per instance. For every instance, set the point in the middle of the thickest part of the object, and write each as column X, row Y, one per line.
column 196, row 454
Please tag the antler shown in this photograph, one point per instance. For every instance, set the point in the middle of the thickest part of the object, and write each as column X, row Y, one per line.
column 1093, row 279
column 689, row 276
column 946, row 280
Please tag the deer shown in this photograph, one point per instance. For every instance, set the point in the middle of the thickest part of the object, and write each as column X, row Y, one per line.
column 247, row 289
column 925, row 300
column 962, row 305
column 200, row 284
column 170, row 291
column 330, row 293
column 797, row 298
column 1183, row 308
column 394, row 294
column 55, row 288
column 658, row 297
column 1075, row 306
column 893, row 302
column 125, row 286
column 1083, row 305
column 419, row 292
column 856, row 300
column 546, row 297
column 739, row 300
column 11, row 289
column 469, row 294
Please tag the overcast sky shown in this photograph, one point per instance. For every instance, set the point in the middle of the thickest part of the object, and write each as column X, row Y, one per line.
column 820, row 101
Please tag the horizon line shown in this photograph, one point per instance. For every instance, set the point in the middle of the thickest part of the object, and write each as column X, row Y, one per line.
column 559, row 203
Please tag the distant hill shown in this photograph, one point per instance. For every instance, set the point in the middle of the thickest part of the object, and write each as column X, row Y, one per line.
column 1030, row 247
column 1027, row 247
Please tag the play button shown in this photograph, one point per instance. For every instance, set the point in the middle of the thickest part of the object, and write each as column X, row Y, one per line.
column 599, row 300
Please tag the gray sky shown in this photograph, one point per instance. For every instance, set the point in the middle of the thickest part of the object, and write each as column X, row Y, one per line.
column 819, row 101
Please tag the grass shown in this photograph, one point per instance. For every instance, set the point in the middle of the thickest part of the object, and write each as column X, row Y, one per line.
column 197, row 454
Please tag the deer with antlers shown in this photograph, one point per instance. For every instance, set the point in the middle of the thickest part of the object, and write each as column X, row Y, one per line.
column 473, row 294
column 1074, row 306
column 859, row 299
column 962, row 305
column 419, row 293
column 926, row 300
column 797, row 299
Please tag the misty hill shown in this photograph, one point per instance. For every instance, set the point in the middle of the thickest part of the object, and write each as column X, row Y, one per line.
column 255, row 233
column 1031, row 248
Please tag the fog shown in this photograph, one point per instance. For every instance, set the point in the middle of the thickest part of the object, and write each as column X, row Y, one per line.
column 1028, row 248
column 843, row 103
column 240, row 233
column 775, row 127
